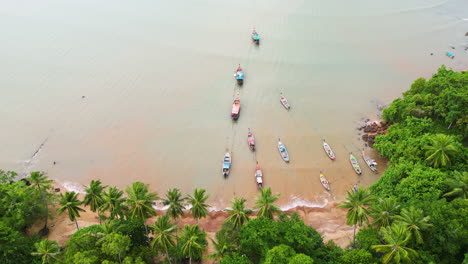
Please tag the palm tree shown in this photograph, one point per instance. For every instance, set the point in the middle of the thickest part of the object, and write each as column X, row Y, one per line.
column 396, row 238
column 265, row 204
column 356, row 203
column 441, row 149
column 41, row 182
column 140, row 202
column 414, row 221
column 47, row 250
column 93, row 196
column 163, row 230
column 383, row 211
column 175, row 202
column 70, row 203
column 114, row 202
column 199, row 208
column 458, row 185
column 193, row 242
column 239, row 215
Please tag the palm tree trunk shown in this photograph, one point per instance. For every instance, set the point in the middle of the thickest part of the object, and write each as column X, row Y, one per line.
column 76, row 222
column 190, row 260
column 167, row 256
column 354, row 236
column 147, row 234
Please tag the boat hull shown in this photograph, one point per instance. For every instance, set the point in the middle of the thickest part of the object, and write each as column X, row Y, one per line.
column 283, row 152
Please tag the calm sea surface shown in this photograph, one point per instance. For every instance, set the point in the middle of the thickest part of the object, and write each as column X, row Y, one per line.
column 157, row 80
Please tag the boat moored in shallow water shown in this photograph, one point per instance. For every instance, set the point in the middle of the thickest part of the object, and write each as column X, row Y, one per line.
column 235, row 110
column 239, row 75
column 226, row 164
column 324, row 182
column 328, row 150
column 283, row 151
column 255, row 37
column 258, row 176
column 284, row 102
column 370, row 162
column 251, row 140
column 355, row 164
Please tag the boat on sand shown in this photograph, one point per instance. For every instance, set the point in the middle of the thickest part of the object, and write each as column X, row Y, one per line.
column 328, row 150
column 324, row 182
column 258, row 176
column 226, row 164
column 355, row 164
column 283, row 151
column 251, row 140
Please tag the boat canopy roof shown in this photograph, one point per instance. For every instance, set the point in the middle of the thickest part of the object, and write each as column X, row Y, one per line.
column 226, row 165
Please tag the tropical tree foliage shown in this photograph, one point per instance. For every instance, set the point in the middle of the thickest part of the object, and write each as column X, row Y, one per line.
column 69, row 202
column 458, row 185
column 396, row 238
column 199, row 207
column 114, row 202
column 265, row 205
column 383, row 211
column 176, row 203
column 94, row 193
column 239, row 215
column 193, row 242
column 441, row 150
column 164, row 238
column 414, row 221
column 47, row 250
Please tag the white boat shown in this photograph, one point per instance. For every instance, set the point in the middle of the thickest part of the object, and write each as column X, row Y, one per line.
column 370, row 162
column 258, row 176
column 328, row 150
column 226, row 164
column 284, row 102
column 324, row 182
column 283, row 151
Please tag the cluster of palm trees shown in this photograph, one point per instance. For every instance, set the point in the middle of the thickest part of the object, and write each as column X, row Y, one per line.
column 399, row 229
column 138, row 204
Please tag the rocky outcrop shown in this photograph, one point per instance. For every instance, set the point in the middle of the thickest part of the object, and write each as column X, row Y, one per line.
column 371, row 130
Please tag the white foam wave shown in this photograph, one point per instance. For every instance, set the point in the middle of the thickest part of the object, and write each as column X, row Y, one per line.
column 73, row 187
column 295, row 201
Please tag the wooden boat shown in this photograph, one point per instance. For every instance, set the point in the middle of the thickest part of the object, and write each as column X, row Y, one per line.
column 324, row 182
column 355, row 164
column 370, row 162
column 258, row 176
column 284, row 101
column 328, row 150
column 239, row 75
column 226, row 164
column 255, row 37
column 235, row 111
column 283, row 151
column 251, row 140
column 450, row 55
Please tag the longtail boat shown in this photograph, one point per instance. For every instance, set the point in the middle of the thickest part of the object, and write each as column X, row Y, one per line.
column 235, row 111
column 284, row 102
column 255, row 37
column 328, row 150
column 258, row 176
column 251, row 140
column 226, row 164
column 355, row 164
column 239, row 75
column 450, row 55
column 324, row 182
column 283, row 151
column 370, row 162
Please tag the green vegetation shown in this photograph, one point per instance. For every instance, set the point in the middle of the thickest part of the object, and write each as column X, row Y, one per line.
column 417, row 212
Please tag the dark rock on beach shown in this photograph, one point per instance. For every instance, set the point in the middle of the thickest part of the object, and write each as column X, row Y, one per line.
column 371, row 130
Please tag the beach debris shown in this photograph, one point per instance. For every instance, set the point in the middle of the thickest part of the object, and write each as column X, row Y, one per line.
column 57, row 189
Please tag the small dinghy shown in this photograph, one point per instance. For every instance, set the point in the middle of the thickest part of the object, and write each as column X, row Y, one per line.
column 258, row 176
column 226, row 164
column 355, row 164
column 239, row 75
column 235, row 111
column 283, row 151
column 324, row 182
column 450, row 55
column 255, row 37
column 251, row 140
column 370, row 162
column 328, row 150
column 284, row 102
